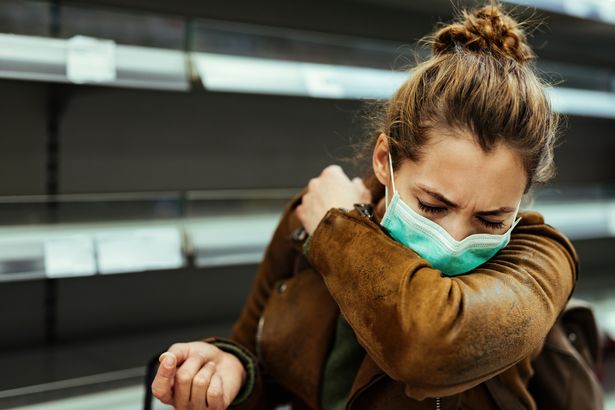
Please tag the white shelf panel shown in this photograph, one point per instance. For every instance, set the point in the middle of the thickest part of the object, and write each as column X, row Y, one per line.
column 39, row 251
column 45, row 59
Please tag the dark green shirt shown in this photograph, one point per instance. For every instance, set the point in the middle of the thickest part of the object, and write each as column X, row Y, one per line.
column 341, row 368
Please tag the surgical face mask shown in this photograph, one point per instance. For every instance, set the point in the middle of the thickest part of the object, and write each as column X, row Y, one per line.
column 433, row 243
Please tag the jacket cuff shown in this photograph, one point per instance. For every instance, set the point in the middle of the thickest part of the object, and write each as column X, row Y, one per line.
column 306, row 245
column 247, row 360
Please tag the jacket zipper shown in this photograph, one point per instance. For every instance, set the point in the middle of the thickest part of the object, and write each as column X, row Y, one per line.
column 438, row 403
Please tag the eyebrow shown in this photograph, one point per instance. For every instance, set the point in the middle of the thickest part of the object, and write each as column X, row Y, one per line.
column 451, row 204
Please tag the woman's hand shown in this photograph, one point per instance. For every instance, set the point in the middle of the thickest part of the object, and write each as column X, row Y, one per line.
column 198, row 375
column 332, row 189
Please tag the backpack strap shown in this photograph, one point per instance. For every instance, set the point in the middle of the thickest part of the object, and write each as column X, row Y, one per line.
column 579, row 323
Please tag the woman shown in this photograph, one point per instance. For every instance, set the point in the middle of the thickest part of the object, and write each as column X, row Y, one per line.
column 436, row 293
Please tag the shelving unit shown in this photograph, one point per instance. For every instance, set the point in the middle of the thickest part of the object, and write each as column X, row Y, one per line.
column 218, row 229
column 123, row 233
column 47, row 59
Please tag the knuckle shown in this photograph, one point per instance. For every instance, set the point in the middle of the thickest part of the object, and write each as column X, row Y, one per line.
column 183, row 377
column 202, row 353
column 333, row 168
column 312, row 183
column 157, row 391
column 212, row 349
column 215, row 392
column 165, row 400
column 175, row 347
column 199, row 381
column 213, row 357
column 161, row 394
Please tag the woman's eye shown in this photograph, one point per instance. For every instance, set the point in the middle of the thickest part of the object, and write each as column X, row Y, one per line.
column 430, row 209
column 492, row 225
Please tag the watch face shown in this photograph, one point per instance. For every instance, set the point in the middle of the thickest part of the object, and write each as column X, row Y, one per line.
column 299, row 234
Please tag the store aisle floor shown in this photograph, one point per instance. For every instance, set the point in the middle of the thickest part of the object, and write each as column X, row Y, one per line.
column 131, row 398
column 127, row 398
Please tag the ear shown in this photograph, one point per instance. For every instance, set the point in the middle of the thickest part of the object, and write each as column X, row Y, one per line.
column 380, row 159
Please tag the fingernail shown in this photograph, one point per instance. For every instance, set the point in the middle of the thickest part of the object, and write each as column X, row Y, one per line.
column 168, row 362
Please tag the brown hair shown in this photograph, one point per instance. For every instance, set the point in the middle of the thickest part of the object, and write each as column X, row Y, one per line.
column 479, row 78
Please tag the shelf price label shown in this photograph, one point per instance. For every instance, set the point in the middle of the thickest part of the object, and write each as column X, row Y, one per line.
column 69, row 256
column 138, row 250
column 322, row 81
column 90, row 60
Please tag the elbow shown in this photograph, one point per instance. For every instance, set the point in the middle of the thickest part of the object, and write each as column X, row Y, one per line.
column 427, row 369
column 439, row 367
column 433, row 376
column 428, row 377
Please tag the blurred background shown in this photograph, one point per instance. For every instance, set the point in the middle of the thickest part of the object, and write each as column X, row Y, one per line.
column 147, row 148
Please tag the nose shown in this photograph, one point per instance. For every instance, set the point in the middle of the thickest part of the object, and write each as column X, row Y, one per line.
column 457, row 229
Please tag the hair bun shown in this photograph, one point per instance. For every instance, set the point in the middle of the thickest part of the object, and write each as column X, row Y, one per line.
column 487, row 29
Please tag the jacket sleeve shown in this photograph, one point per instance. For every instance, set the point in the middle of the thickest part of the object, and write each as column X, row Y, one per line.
column 260, row 391
column 251, row 389
column 442, row 335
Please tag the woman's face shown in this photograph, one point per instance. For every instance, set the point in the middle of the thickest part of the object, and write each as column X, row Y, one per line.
column 456, row 184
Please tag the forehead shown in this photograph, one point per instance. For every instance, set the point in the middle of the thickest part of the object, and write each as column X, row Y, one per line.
column 458, row 168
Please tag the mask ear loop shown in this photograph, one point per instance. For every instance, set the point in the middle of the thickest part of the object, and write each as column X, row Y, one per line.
column 386, row 187
column 516, row 220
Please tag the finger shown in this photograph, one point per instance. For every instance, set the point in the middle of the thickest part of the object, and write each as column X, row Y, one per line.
column 200, row 384
column 364, row 193
column 162, row 386
column 366, row 197
column 180, row 350
column 301, row 215
column 183, row 380
column 305, row 201
column 215, row 394
column 358, row 182
column 313, row 184
column 333, row 169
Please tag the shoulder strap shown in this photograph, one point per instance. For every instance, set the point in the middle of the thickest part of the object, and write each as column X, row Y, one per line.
column 579, row 322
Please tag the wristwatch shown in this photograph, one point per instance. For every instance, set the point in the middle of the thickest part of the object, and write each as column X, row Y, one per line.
column 366, row 210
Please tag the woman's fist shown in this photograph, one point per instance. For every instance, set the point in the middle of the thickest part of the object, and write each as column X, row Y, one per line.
column 331, row 189
column 198, row 375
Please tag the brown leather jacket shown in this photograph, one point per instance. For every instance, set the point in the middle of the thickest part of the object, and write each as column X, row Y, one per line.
column 431, row 340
